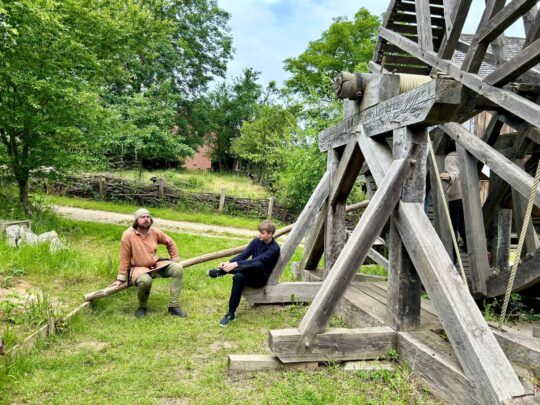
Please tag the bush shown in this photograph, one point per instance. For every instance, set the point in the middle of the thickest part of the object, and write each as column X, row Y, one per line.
column 304, row 168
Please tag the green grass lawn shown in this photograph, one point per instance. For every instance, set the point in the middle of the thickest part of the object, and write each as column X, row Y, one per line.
column 236, row 185
column 105, row 355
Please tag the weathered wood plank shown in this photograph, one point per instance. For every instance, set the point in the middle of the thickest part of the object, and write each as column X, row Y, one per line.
column 282, row 293
column 528, row 274
column 474, row 222
column 378, row 258
column 520, row 349
column 455, row 20
column 523, row 108
column 300, row 226
column 519, row 64
column 497, row 162
column 423, row 24
column 431, row 103
column 440, row 372
column 531, row 242
column 247, row 363
column 503, row 19
column 438, row 200
column 355, row 251
column 336, row 344
column 404, row 286
column 504, row 232
column 476, row 348
column 314, row 244
column 477, row 49
column 334, row 231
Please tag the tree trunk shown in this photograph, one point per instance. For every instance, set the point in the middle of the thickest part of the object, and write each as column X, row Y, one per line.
column 23, row 195
column 140, row 168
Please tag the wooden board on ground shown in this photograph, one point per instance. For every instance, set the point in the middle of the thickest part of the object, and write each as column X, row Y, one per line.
column 336, row 344
column 245, row 363
column 282, row 293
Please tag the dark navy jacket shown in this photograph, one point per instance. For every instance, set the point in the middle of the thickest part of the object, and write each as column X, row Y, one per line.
column 267, row 254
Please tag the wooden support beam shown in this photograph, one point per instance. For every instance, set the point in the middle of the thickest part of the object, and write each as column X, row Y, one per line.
column 336, row 344
column 305, row 219
column 477, row 49
column 429, row 104
column 476, row 348
column 504, row 232
column 378, row 258
column 247, row 363
column 455, row 20
column 438, row 370
column 528, row 22
column 423, row 24
column 474, row 222
column 520, row 180
column 314, row 244
column 515, row 67
column 520, row 106
column 404, row 286
column 355, row 251
column 520, row 349
column 503, row 19
column 528, row 274
column 282, row 293
column 531, row 242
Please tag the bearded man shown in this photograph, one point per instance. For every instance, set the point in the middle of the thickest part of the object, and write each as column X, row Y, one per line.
column 139, row 263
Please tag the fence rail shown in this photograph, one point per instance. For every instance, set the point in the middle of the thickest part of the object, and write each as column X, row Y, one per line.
column 109, row 188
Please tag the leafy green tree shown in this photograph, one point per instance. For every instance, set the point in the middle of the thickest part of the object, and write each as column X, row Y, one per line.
column 262, row 142
column 232, row 104
column 346, row 45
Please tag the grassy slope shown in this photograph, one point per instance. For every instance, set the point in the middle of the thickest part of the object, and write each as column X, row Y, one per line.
column 210, row 218
column 199, row 181
column 106, row 355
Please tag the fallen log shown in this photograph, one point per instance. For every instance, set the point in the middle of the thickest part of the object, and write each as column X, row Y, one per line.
column 204, row 258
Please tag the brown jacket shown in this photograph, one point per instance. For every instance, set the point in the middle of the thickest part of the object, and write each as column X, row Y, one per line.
column 138, row 253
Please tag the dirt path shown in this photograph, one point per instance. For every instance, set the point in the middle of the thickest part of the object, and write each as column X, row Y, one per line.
column 81, row 214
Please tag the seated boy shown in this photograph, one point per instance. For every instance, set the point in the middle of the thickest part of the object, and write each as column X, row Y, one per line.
column 254, row 272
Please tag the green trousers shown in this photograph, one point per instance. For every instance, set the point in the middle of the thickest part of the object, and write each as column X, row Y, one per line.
column 144, row 284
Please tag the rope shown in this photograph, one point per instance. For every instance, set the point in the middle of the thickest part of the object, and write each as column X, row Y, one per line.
column 520, row 246
column 447, row 211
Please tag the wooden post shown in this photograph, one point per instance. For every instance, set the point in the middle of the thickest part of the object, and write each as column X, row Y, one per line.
column 101, row 185
column 442, row 226
column 161, row 189
column 271, row 203
column 504, row 230
column 222, row 200
column 47, row 186
column 354, row 252
column 474, row 223
column 482, row 359
column 404, row 286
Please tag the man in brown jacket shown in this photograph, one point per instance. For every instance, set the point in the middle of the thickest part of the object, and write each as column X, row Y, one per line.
column 139, row 263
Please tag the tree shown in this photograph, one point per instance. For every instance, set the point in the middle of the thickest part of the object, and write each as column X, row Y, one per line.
column 346, row 45
column 262, row 142
column 232, row 104
column 70, row 69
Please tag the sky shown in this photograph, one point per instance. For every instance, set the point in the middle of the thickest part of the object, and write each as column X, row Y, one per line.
column 266, row 32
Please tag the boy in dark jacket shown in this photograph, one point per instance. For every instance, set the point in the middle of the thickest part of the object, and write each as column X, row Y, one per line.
column 254, row 272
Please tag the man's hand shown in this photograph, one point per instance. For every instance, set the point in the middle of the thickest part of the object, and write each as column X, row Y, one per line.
column 228, row 266
column 445, row 176
column 116, row 284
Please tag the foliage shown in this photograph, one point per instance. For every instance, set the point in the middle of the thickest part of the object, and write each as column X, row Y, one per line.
column 232, row 104
column 345, row 46
column 304, row 167
column 264, row 141
column 72, row 71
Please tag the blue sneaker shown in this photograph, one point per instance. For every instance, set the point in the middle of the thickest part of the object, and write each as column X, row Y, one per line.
column 227, row 319
column 214, row 273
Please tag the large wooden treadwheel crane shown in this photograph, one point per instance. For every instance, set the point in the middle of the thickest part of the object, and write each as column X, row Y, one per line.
column 385, row 136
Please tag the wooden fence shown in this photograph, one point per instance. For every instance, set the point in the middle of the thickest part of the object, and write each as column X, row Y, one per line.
column 109, row 188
